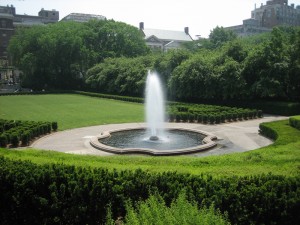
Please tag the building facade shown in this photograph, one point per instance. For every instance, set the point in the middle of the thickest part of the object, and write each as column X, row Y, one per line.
column 276, row 13
column 264, row 18
column 80, row 17
column 164, row 40
column 9, row 21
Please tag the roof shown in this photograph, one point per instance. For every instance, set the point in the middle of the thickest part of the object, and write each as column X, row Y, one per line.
column 81, row 17
column 167, row 35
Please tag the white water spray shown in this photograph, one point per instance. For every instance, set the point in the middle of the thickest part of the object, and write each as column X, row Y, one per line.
column 155, row 108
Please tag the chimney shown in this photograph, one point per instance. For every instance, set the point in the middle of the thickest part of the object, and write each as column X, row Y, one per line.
column 141, row 25
column 186, row 30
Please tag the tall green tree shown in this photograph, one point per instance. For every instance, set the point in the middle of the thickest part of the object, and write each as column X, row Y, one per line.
column 219, row 35
column 58, row 55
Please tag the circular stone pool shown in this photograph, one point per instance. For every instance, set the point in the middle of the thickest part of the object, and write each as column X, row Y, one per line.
column 136, row 140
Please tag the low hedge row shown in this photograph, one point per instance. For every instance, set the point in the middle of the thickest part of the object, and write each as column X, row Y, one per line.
column 14, row 132
column 268, row 132
column 60, row 194
column 276, row 107
column 295, row 122
column 199, row 113
column 115, row 97
column 284, row 108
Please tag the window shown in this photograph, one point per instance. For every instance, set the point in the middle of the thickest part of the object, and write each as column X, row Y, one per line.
column 3, row 23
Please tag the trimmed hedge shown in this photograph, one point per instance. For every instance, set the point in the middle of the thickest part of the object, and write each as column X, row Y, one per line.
column 12, row 132
column 60, row 194
column 212, row 114
column 272, row 107
column 295, row 122
column 115, row 97
column 267, row 131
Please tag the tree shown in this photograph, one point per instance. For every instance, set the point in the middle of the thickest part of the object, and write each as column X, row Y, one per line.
column 218, row 36
column 189, row 78
column 60, row 54
column 123, row 76
column 231, row 83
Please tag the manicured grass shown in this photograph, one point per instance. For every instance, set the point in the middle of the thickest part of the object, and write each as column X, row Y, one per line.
column 70, row 111
column 281, row 158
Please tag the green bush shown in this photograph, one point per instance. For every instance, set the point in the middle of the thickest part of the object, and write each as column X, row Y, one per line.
column 209, row 113
column 205, row 119
column 211, row 119
column 278, row 108
column 267, row 131
column 181, row 212
column 115, row 97
column 14, row 139
column 295, row 122
column 259, row 113
column 25, row 138
column 3, row 140
column 24, row 131
column 52, row 193
column 54, row 126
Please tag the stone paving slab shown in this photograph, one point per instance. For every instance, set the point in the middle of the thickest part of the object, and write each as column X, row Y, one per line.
column 232, row 137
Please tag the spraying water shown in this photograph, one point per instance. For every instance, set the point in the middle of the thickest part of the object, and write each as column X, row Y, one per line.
column 154, row 106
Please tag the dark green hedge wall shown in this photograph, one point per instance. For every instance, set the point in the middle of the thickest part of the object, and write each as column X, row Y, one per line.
column 60, row 194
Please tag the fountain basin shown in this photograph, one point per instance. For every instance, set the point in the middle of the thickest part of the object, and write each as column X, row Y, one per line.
column 158, row 147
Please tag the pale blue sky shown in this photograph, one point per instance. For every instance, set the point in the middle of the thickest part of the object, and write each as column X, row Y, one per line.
column 200, row 16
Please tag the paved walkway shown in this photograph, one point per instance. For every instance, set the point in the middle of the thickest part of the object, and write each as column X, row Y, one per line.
column 232, row 137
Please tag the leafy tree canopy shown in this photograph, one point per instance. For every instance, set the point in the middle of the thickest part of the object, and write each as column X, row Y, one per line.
column 58, row 55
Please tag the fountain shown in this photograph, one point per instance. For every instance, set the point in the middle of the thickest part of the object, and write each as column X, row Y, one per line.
column 154, row 106
column 154, row 139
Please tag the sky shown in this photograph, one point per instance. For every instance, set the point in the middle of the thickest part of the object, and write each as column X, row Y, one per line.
column 200, row 16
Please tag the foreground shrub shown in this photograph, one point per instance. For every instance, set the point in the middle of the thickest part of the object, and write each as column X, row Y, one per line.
column 295, row 122
column 3, row 140
column 267, row 131
column 15, row 131
column 181, row 212
column 54, row 126
column 60, row 194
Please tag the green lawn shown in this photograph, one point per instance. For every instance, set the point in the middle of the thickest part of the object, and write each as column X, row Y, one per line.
column 281, row 158
column 70, row 111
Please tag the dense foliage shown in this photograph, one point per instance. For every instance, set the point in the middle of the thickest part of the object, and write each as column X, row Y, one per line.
column 60, row 194
column 112, row 57
column 17, row 133
column 181, row 212
column 124, row 76
column 58, row 55
column 261, row 67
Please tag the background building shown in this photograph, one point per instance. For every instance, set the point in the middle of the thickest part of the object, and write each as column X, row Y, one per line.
column 264, row 18
column 164, row 40
column 80, row 17
column 9, row 21
column 277, row 12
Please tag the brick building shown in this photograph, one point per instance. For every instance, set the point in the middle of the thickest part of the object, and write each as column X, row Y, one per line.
column 277, row 12
column 265, row 17
column 9, row 21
